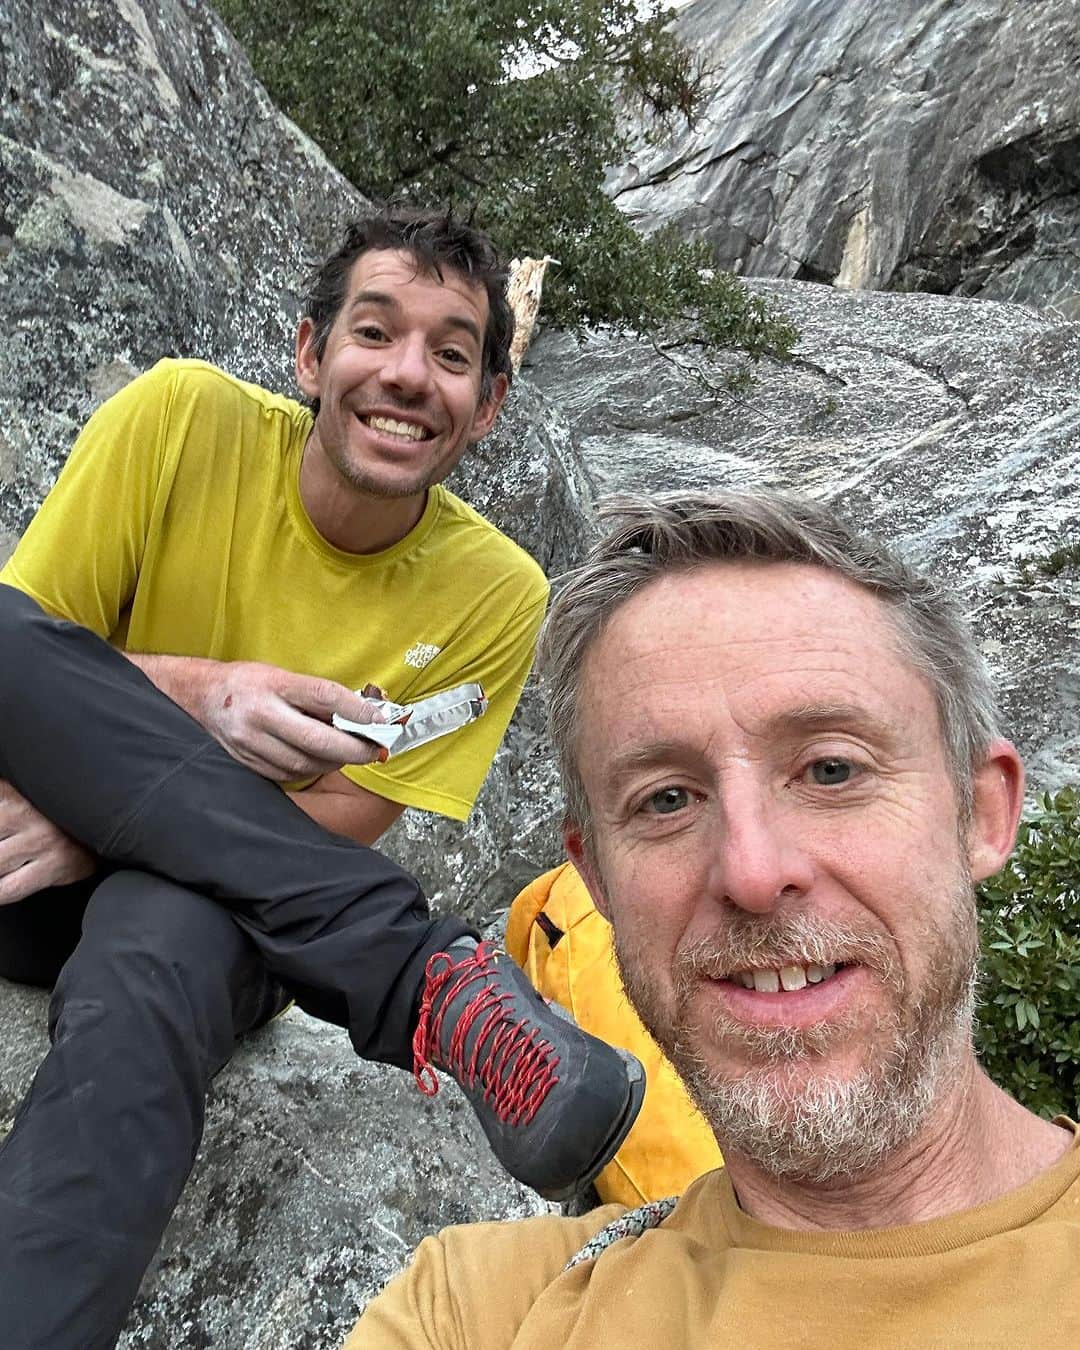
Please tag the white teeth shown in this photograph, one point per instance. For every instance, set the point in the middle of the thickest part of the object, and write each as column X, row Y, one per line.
column 409, row 430
column 789, row 978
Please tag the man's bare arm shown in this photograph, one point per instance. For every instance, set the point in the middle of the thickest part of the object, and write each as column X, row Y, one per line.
column 273, row 721
column 346, row 808
column 277, row 724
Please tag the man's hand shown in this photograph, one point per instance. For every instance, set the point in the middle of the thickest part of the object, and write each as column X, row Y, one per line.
column 34, row 854
column 273, row 721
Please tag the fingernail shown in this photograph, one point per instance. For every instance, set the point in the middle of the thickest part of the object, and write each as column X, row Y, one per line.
column 384, row 754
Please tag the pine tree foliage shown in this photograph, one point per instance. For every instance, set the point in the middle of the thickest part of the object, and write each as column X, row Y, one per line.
column 514, row 109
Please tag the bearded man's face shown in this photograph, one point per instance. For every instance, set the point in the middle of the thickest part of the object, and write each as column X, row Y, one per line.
column 776, row 840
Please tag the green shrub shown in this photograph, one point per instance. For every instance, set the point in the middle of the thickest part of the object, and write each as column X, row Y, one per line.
column 1029, row 1021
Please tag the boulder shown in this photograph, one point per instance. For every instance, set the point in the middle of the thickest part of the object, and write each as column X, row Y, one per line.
column 916, row 146
column 153, row 202
column 950, row 427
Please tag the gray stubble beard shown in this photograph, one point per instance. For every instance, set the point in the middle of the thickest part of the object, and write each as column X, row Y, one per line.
column 824, row 1127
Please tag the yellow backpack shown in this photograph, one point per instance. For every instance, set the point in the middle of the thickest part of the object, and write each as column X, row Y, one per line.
column 563, row 944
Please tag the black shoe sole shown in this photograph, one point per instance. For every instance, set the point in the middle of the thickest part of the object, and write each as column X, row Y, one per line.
column 610, row 1147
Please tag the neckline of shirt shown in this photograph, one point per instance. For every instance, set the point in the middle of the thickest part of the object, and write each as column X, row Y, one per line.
column 307, row 532
column 931, row 1237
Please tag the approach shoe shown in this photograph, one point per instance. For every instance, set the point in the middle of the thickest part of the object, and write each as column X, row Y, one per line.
column 554, row 1101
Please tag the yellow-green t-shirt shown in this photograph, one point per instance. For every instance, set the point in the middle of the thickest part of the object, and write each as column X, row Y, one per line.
column 177, row 527
column 1002, row 1276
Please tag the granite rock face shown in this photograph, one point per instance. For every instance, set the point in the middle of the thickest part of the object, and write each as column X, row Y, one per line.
column 949, row 427
column 916, row 146
column 153, row 203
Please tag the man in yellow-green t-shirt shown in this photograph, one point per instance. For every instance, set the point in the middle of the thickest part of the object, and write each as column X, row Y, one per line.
column 215, row 573
column 783, row 775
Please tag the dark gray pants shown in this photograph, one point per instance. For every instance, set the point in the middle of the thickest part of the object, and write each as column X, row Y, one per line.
column 218, row 889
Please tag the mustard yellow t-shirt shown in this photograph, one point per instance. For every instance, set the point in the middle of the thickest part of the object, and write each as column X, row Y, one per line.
column 1002, row 1276
column 177, row 527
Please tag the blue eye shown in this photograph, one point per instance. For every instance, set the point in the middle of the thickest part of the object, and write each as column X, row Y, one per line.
column 668, row 800
column 831, row 772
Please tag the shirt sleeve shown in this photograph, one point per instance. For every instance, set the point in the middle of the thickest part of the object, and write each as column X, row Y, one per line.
column 416, row 1311
column 446, row 774
column 81, row 554
column 471, row 1287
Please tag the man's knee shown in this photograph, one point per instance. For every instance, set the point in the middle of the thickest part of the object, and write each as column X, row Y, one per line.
column 155, row 950
column 18, row 615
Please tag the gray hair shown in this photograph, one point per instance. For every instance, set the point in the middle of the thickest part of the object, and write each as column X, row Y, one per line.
column 648, row 537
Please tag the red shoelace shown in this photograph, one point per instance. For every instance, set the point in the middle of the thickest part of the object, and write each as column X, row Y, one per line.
column 510, row 1060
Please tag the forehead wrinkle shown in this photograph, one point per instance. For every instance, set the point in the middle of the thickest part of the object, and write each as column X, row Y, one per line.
column 373, row 297
column 386, row 300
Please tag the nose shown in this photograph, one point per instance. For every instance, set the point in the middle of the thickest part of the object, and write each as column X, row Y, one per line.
column 406, row 369
column 759, row 863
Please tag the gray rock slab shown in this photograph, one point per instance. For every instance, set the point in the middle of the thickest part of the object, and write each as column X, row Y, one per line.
column 317, row 1177
column 950, row 427
column 914, row 146
column 153, row 202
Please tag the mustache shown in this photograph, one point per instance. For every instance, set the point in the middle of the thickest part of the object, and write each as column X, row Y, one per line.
column 749, row 942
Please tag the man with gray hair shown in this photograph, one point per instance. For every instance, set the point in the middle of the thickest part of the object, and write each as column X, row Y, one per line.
column 783, row 776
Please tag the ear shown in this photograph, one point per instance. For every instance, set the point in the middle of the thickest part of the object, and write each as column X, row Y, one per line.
column 581, row 857
column 307, row 362
column 488, row 410
column 998, row 798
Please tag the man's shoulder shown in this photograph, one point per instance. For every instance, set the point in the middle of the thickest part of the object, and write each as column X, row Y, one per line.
column 554, row 1238
column 462, row 529
column 484, row 1275
column 193, row 379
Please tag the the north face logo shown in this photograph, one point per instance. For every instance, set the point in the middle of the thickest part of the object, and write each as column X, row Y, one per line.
column 420, row 654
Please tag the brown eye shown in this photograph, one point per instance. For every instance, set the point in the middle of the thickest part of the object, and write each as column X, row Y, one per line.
column 831, row 772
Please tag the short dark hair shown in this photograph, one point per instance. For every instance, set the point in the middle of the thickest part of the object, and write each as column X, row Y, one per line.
column 437, row 240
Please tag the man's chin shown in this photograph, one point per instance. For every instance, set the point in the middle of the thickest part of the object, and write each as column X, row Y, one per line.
column 391, row 486
column 818, row 1117
column 811, row 1127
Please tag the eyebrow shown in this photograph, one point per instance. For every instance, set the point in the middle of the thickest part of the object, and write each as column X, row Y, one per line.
column 833, row 716
column 385, row 300
column 641, row 756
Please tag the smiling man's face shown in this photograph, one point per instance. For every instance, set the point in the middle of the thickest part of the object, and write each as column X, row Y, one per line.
column 776, row 842
column 399, row 382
